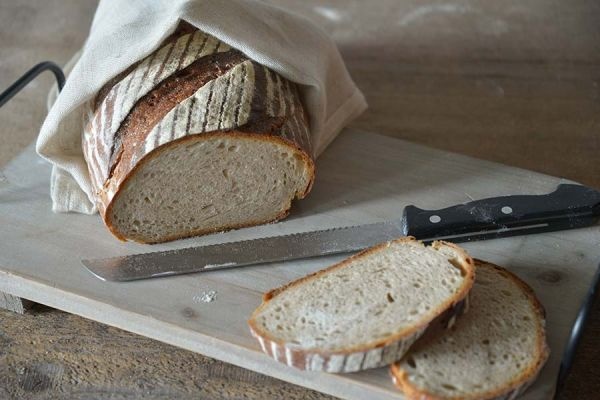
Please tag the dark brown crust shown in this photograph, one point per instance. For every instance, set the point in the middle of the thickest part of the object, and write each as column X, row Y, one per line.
column 469, row 276
column 200, row 137
column 400, row 377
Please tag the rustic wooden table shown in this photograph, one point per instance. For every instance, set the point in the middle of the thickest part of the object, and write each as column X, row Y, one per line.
column 514, row 82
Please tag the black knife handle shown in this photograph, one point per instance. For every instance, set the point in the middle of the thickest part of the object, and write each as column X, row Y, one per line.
column 569, row 206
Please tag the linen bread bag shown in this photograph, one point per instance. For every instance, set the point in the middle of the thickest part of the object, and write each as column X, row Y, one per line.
column 187, row 117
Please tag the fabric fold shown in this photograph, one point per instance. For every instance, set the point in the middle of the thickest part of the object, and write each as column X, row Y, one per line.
column 125, row 31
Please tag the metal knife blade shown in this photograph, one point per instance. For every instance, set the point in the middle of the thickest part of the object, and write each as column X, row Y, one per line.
column 247, row 252
column 570, row 206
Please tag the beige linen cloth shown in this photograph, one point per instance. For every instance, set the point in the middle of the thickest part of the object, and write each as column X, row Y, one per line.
column 125, row 31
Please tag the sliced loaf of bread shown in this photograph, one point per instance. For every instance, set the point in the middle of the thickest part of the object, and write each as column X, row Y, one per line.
column 493, row 352
column 366, row 311
column 196, row 138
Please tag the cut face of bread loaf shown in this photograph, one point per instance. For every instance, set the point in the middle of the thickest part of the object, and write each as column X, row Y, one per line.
column 366, row 311
column 493, row 352
column 196, row 138
column 245, row 181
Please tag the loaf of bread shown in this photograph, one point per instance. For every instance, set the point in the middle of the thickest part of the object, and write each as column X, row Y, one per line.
column 494, row 351
column 366, row 311
column 193, row 139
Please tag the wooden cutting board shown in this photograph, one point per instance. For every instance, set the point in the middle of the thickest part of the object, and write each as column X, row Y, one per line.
column 361, row 178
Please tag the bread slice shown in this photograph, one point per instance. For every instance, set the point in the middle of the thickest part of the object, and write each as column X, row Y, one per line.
column 493, row 352
column 366, row 311
column 196, row 138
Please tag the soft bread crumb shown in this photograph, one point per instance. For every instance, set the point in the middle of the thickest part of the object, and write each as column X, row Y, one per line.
column 249, row 181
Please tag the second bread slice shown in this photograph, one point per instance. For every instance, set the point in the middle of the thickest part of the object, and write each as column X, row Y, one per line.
column 366, row 311
column 494, row 352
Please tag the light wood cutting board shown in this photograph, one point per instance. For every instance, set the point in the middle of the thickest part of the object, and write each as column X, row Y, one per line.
column 361, row 178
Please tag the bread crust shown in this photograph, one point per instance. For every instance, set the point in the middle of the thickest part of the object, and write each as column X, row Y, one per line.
column 514, row 387
column 400, row 340
column 272, row 112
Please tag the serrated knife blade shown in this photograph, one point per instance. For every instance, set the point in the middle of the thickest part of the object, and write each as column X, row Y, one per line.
column 246, row 252
column 569, row 206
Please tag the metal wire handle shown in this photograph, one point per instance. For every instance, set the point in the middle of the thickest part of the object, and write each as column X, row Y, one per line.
column 577, row 331
column 31, row 75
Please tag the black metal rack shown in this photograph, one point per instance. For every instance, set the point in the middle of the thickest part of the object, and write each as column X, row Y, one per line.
column 31, row 75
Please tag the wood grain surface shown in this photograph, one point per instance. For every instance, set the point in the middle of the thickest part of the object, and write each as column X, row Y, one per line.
column 515, row 82
column 15, row 304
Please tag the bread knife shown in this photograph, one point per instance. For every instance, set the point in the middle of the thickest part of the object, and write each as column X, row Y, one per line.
column 569, row 206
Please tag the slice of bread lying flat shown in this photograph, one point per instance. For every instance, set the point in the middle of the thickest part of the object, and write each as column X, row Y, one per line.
column 366, row 311
column 492, row 352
